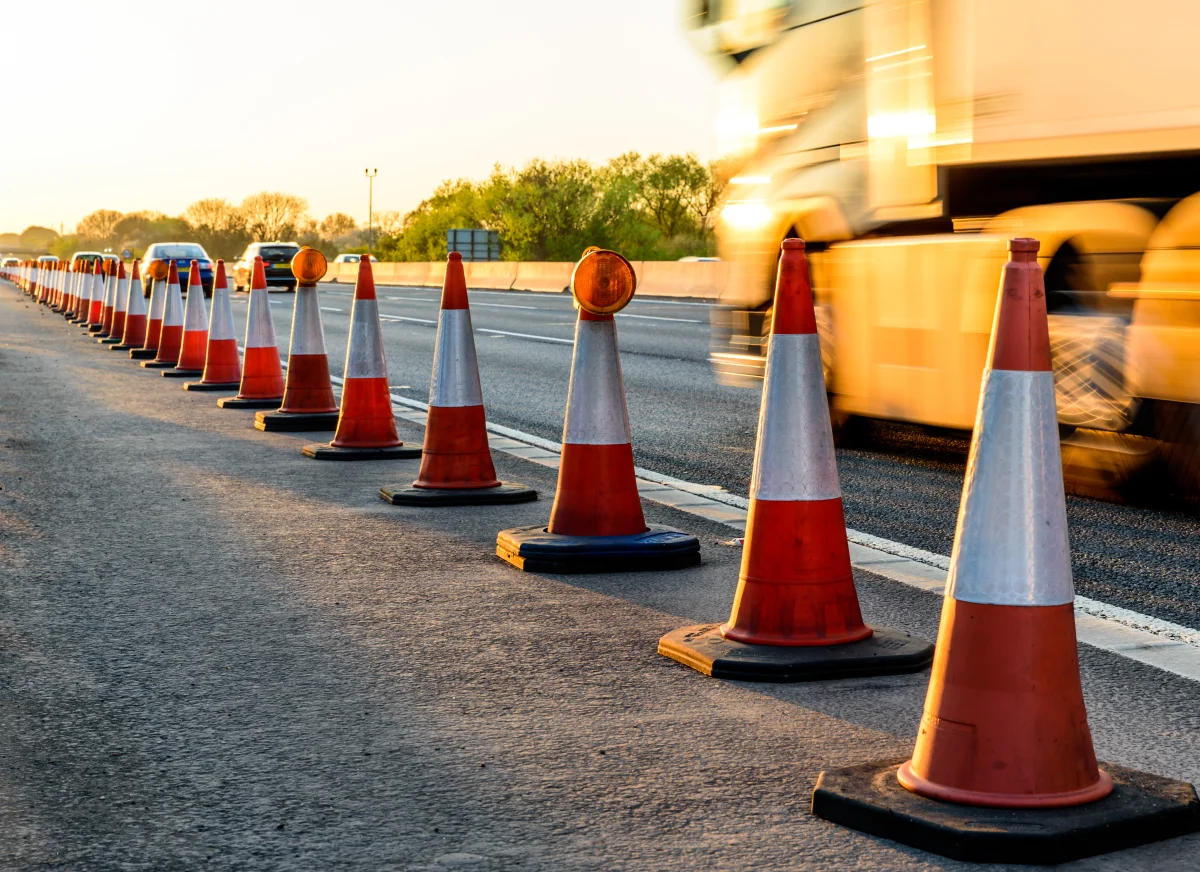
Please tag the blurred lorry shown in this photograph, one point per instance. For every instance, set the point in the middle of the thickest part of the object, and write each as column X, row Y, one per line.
column 906, row 140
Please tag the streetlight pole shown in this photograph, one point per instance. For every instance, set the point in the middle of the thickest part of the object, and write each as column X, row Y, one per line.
column 370, row 174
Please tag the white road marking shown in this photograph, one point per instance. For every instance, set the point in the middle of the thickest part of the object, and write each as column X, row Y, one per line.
column 526, row 336
column 413, row 320
column 327, row 309
column 505, row 306
column 659, row 318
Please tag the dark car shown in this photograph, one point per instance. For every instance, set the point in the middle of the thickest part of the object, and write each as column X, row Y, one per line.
column 183, row 253
column 277, row 264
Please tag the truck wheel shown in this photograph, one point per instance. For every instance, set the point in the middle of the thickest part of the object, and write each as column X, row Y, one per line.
column 1178, row 426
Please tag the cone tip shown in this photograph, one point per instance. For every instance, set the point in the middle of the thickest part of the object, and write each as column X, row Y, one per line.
column 793, row 245
column 454, row 255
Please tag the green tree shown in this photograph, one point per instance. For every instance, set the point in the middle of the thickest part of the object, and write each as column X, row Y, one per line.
column 38, row 237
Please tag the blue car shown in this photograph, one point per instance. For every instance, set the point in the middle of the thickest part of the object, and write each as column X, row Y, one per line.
column 183, row 253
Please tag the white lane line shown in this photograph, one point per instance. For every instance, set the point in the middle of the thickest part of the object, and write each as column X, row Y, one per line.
column 1164, row 645
column 412, row 320
column 660, row 318
column 411, row 300
column 654, row 301
column 327, row 309
column 526, row 336
column 505, row 306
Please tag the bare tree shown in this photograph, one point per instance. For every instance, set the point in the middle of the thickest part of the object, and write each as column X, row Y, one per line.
column 216, row 214
column 100, row 226
column 274, row 215
column 388, row 223
column 336, row 226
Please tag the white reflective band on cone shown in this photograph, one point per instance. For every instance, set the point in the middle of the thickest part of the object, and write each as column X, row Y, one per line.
column 98, row 288
column 110, row 288
column 195, row 317
column 260, row 329
column 307, row 334
column 364, row 354
column 135, row 302
column 793, row 459
column 596, row 413
column 121, row 297
column 222, row 316
column 158, row 293
column 455, row 380
column 173, row 309
column 1011, row 545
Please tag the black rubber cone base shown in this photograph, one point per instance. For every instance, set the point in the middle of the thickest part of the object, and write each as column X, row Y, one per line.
column 325, row 451
column 109, row 340
column 143, row 353
column 211, row 386
column 1142, row 808
column 182, row 373
column 239, row 403
column 533, row 549
column 158, row 364
column 95, row 328
column 506, row 493
column 885, row 652
column 295, row 422
column 120, row 346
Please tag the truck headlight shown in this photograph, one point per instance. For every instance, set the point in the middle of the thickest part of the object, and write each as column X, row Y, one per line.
column 746, row 214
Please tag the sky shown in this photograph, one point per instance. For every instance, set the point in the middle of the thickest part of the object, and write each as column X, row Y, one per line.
column 136, row 105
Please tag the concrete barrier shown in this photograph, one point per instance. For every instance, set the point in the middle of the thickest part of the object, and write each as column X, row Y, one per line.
column 669, row 278
column 702, row 280
column 549, row 277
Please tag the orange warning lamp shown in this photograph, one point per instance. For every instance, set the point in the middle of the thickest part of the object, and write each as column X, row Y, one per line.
column 309, row 266
column 158, row 270
column 603, row 281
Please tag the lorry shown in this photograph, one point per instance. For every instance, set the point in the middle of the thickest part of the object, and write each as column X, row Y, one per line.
column 906, row 141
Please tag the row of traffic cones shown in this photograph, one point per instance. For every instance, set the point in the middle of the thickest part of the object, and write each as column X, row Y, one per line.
column 1003, row 768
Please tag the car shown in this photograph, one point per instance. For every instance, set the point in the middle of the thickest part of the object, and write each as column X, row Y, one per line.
column 10, row 261
column 277, row 264
column 47, row 258
column 353, row 258
column 183, row 253
column 88, row 257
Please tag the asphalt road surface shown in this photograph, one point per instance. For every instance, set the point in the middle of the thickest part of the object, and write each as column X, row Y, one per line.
column 904, row 486
column 217, row 653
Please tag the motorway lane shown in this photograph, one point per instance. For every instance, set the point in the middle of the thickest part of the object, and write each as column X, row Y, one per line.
column 219, row 653
column 904, row 486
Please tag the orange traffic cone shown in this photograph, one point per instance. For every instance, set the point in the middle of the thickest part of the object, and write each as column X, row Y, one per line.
column 222, row 367
column 134, row 333
column 83, row 303
column 47, row 289
column 1003, row 768
column 158, row 298
column 195, row 329
column 116, row 326
column 262, row 372
column 107, row 306
column 366, row 427
column 170, row 337
column 596, row 523
column 95, row 310
column 308, row 402
column 795, row 614
column 456, row 462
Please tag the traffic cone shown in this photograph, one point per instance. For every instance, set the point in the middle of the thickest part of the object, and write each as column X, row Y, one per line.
column 87, row 288
column 308, row 402
column 596, row 522
column 120, row 305
column 795, row 614
column 134, row 333
column 92, row 314
column 262, row 373
column 1003, row 768
column 456, row 462
column 46, row 289
column 195, row 329
column 58, row 299
column 158, row 299
column 170, row 337
column 110, row 301
column 366, row 427
column 222, row 368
